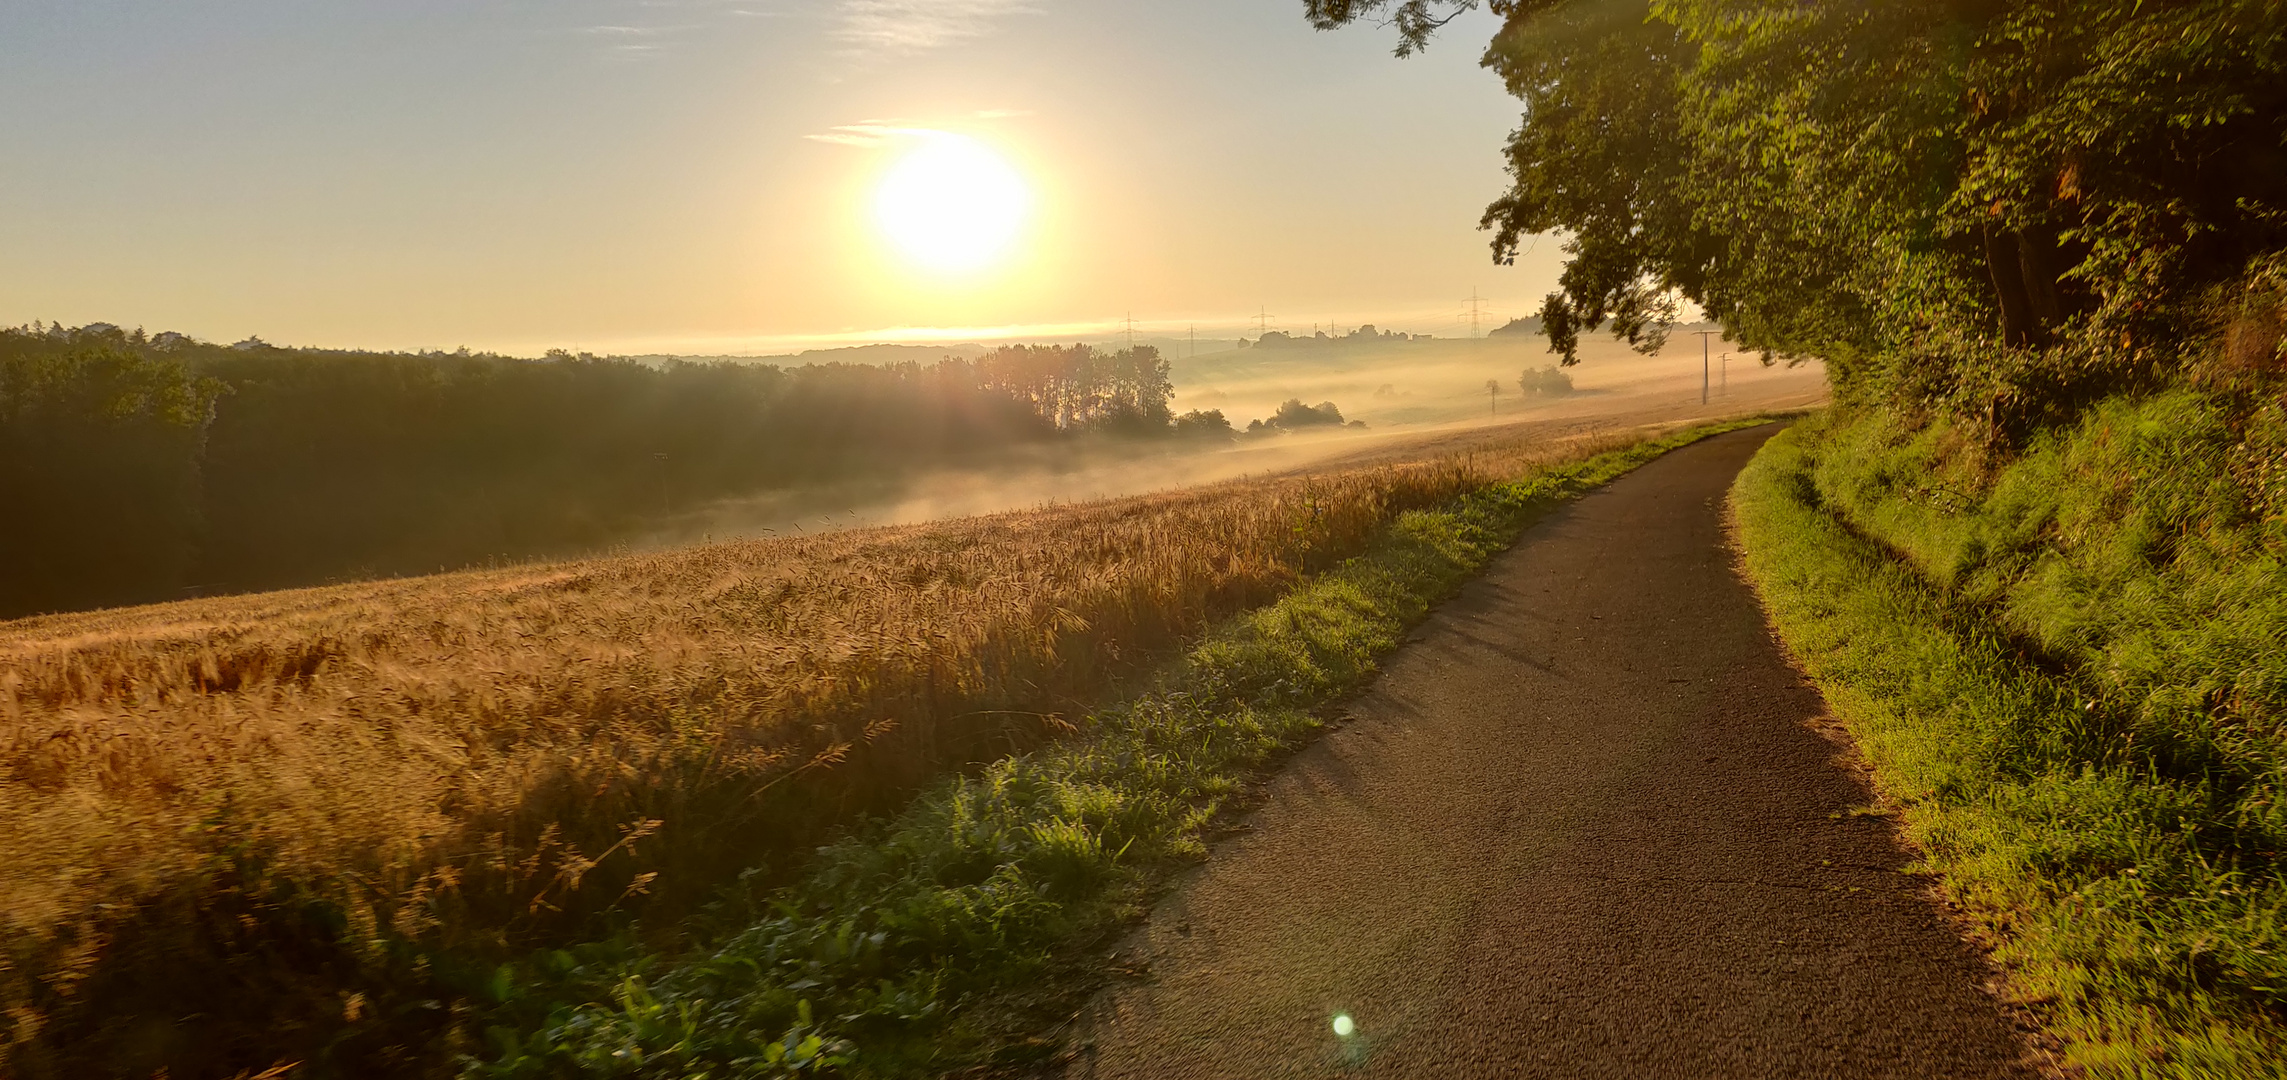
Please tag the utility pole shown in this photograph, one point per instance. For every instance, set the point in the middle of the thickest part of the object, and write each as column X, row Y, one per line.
column 1703, row 336
column 1474, row 302
column 1195, row 341
column 1262, row 322
column 1128, row 325
column 1493, row 397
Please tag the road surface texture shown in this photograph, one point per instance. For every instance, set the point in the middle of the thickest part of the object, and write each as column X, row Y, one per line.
column 1584, row 825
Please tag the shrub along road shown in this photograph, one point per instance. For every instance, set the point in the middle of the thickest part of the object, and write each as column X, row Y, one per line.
column 1586, row 824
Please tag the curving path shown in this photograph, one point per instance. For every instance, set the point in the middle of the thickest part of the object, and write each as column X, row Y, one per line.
column 1585, row 825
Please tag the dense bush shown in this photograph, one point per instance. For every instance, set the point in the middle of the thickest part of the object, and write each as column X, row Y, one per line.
column 1547, row 380
column 1293, row 415
column 1208, row 424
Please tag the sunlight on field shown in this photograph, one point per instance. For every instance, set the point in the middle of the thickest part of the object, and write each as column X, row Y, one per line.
column 1442, row 381
column 1442, row 398
column 491, row 757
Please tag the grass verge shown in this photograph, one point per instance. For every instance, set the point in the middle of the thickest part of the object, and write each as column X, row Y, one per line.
column 943, row 938
column 2131, row 884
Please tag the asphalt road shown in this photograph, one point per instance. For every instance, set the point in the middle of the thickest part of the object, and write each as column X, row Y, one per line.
column 1587, row 824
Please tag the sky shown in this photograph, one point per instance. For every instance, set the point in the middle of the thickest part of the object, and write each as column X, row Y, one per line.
column 699, row 176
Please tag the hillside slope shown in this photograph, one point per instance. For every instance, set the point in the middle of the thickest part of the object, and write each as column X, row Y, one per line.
column 2069, row 665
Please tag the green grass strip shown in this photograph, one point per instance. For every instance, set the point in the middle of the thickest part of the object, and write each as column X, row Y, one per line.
column 953, row 934
column 2098, row 875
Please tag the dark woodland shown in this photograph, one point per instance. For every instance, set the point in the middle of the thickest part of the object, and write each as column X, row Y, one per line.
column 140, row 468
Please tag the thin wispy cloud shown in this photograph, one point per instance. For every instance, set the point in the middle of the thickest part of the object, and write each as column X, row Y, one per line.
column 638, row 37
column 630, row 42
column 865, row 28
column 909, row 26
column 867, row 134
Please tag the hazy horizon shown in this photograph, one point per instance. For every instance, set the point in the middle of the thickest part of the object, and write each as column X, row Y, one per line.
column 694, row 176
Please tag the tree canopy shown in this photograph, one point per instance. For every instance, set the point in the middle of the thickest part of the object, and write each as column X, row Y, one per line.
column 1985, row 204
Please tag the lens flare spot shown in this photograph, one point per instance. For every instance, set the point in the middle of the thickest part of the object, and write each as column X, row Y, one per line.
column 1344, row 1026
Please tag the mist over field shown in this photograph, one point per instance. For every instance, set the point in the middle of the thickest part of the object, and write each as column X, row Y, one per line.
column 670, row 539
column 151, row 467
column 1402, row 391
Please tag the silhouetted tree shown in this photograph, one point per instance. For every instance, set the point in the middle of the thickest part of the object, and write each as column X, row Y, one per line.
column 1209, row 424
column 1293, row 415
column 1546, row 381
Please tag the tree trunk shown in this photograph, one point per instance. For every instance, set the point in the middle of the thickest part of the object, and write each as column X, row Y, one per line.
column 2037, row 261
column 2004, row 263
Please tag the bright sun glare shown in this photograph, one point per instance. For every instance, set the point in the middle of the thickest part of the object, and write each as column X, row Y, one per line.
column 951, row 204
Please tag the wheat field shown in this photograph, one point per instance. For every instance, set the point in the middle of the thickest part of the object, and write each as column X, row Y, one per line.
column 501, row 759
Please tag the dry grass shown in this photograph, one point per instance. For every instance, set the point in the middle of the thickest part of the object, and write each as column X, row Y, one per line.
column 500, row 758
column 495, row 760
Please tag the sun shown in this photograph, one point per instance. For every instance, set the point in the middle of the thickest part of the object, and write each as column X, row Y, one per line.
column 952, row 205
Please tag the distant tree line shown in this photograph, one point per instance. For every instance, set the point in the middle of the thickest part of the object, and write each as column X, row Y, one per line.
column 139, row 468
column 1077, row 386
column 1525, row 326
column 1364, row 335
